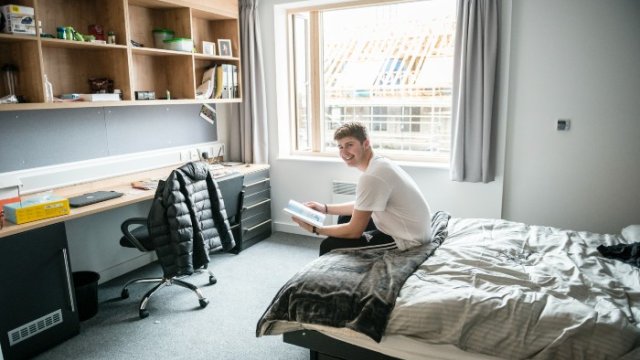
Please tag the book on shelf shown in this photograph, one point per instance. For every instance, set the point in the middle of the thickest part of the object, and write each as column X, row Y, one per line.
column 219, row 77
column 225, row 81
column 100, row 97
column 305, row 213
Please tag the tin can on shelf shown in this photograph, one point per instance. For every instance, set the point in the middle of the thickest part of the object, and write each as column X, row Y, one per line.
column 61, row 33
column 111, row 37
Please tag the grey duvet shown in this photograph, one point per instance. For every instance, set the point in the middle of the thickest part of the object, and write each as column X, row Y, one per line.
column 355, row 289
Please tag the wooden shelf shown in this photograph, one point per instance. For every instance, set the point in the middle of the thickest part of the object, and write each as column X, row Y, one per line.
column 70, row 64
column 69, row 44
column 10, row 38
column 226, row 59
column 158, row 52
column 92, row 104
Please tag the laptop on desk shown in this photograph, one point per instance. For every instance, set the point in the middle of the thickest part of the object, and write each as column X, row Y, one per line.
column 92, row 198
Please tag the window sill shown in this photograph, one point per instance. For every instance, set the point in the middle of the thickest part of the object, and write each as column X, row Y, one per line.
column 335, row 159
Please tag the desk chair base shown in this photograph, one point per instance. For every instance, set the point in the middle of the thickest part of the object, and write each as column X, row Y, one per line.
column 162, row 282
column 212, row 279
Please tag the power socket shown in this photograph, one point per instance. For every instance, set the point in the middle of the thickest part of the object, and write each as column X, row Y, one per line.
column 193, row 155
column 185, row 155
column 563, row 124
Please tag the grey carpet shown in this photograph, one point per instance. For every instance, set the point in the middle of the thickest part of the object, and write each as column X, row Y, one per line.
column 177, row 328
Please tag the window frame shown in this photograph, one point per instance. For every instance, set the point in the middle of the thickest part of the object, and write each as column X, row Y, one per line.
column 316, row 99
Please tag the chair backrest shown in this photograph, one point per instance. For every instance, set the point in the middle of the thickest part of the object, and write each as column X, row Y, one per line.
column 232, row 194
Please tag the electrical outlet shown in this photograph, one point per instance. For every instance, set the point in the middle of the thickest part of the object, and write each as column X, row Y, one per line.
column 563, row 124
column 184, row 155
column 193, row 155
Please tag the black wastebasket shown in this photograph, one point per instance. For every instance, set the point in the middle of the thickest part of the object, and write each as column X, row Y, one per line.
column 86, row 286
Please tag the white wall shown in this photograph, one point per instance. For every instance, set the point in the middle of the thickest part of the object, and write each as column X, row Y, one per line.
column 305, row 179
column 577, row 59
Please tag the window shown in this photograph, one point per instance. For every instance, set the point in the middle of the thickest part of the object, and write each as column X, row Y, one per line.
column 389, row 66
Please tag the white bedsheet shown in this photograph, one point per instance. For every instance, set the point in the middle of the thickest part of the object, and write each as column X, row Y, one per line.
column 517, row 291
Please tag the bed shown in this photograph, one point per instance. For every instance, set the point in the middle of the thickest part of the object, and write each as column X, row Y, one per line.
column 484, row 289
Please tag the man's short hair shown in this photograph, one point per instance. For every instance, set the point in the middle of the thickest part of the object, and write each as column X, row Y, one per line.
column 353, row 129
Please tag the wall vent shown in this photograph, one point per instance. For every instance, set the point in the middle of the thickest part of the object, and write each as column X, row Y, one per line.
column 34, row 327
column 343, row 191
column 344, row 188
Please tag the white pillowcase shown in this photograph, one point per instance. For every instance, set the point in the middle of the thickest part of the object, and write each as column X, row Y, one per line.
column 631, row 233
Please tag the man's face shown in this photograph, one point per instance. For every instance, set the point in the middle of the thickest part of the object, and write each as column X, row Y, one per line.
column 352, row 151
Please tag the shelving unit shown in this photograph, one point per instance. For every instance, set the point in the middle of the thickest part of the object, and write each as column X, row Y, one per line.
column 70, row 64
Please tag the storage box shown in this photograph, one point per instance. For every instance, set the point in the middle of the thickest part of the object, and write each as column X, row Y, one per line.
column 179, row 44
column 16, row 19
column 160, row 35
column 36, row 208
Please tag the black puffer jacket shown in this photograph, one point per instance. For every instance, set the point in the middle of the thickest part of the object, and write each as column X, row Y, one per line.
column 187, row 219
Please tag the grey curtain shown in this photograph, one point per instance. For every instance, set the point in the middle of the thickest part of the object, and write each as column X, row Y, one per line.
column 249, row 136
column 474, row 79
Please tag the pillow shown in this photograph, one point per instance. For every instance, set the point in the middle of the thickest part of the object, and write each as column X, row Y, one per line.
column 631, row 233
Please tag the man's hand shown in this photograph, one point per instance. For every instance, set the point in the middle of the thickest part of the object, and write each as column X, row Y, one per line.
column 302, row 224
column 316, row 206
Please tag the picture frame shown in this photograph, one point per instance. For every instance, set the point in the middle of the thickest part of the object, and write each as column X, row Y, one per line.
column 224, row 47
column 208, row 113
column 208, row 48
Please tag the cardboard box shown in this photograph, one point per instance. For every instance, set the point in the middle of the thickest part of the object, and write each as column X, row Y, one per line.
column 16, row 19
column 36, row 208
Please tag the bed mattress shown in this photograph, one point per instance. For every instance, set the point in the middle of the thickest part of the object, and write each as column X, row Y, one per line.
column 514, row 291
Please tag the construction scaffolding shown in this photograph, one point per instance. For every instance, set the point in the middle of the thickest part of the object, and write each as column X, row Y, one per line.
column 395, row 76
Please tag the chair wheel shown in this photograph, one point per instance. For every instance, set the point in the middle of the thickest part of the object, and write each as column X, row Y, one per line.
column 144, row 313
column 212, row 280
column 125, row 293
column 204, row 303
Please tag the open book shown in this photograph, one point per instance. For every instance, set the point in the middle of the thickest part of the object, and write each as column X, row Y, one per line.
column 305, row 213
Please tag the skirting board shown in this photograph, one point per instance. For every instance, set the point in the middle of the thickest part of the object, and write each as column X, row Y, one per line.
column 127, row 266
column 290, row 228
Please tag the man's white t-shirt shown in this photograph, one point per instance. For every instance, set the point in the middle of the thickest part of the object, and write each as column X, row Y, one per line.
column 397, row 205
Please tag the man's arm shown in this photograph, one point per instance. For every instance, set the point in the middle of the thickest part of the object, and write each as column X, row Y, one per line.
column 332, row 209
column 351, row 230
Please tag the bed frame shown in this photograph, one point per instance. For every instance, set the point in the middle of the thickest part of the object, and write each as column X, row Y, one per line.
column 323, row 347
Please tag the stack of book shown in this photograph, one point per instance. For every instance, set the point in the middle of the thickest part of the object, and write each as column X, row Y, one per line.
column 225, row 81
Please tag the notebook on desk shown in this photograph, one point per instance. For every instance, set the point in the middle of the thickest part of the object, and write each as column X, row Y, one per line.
column 92, row 198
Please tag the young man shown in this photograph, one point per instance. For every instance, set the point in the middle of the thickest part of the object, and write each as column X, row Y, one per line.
column 385, row 194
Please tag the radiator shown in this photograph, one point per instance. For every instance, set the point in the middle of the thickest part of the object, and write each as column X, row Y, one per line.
column 342, row 192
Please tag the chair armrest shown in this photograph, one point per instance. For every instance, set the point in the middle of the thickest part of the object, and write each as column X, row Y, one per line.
column 127, row 233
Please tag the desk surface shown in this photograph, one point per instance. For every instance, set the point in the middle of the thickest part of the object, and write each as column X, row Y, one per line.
column 119, row 183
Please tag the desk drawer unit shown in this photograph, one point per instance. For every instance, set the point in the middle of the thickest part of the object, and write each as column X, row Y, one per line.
column 37, row 307
column 256, row 210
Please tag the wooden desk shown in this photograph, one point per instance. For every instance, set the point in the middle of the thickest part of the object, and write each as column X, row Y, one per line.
column 36, row 268
column 121, row 184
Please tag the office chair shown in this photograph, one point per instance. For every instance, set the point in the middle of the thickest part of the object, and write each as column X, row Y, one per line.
column 233, row 197
column 139, row 238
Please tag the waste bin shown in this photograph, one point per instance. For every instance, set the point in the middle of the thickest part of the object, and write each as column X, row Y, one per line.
column 86, row 286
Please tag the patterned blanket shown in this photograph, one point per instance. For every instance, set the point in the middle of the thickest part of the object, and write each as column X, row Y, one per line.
column 349, row 289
